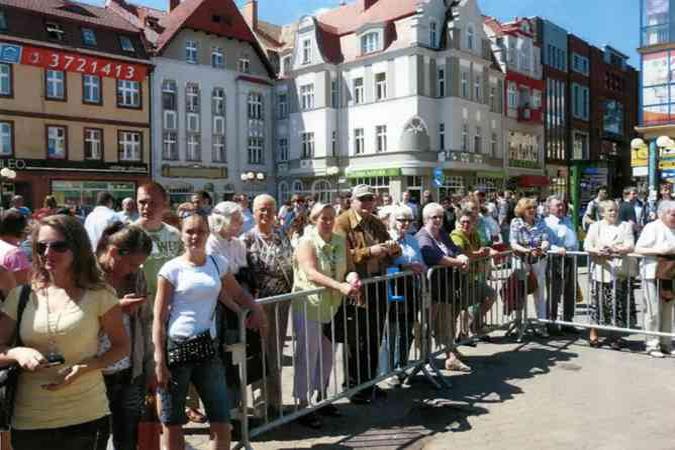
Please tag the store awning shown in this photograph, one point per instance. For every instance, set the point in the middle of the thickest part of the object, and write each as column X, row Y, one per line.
column 533, row 181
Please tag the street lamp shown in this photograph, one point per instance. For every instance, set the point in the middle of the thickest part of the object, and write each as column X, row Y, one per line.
column 252, row 177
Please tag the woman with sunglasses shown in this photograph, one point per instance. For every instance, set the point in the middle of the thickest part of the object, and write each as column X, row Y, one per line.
column 61, row 401
column 184, row 331
column 122, row 249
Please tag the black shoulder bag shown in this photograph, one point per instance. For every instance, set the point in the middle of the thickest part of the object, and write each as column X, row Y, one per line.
column 9, row 376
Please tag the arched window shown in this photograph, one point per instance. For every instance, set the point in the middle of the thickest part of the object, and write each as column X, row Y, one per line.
column 298, row 187
column 470, row 36
column 323, row 190
column 415, row 136
column 283, row 192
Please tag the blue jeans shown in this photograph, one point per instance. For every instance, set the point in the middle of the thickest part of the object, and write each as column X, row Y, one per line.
column 208, row 377
column 83, row 436
column 125, row 398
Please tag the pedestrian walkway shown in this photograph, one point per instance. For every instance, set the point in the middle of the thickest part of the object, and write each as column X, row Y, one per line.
column 556, row 394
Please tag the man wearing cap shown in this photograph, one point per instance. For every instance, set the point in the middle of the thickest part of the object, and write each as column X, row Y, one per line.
column 372, row 251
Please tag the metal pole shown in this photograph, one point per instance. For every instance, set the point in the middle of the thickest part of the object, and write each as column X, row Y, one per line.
column 653, row 173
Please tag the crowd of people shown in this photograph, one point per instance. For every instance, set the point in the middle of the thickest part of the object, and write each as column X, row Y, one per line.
column 105, row 309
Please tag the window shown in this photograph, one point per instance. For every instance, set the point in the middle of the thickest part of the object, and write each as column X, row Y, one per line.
column 441, row 136
column 307, row 96
column 170, row 120
column 465, row 85
column 169, row 95
column 380, row 86
column 129, row 146
column 536, row 99
column 358, row 91
column 54, row 31
column 580, row 101
column 93, row 143
column 128, row 94
column 512, row 96
column 192, row 98
column 219, row 154
column 6, row 84
column 334, row 93
column 193, row 151
column 307, row 51
column 170, row 146
column 469, row 36
column 579, row 64
column 191, row 52
column 56, row 142
column 580, row 146
column 307, row 146
column 255, row 150
column 255, row 106
column 478, row 141
column 525, row 56
column 3, row 21
column 218, row 125
column 244, row 65
column 88, row 36
column 494, row 146
column 381, row 138
column 91, row 89
column 465, row 138
column 333, row 143
column 282, row 105
column 6, row 139
column 126, row 44
column 218, row 102
column 493, row 99
column 55, row 85
column 283, row 150
column 433, row 34
column 441, row 82
column 192, row 125
column 217, row 59
column 370, row 42
column 359, row 141
column 477, row 91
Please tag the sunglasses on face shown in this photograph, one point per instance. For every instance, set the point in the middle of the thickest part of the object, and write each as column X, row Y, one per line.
column 55, row 246
column 403, row 220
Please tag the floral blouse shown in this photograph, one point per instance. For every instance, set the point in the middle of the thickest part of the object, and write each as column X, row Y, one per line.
column 270, row 263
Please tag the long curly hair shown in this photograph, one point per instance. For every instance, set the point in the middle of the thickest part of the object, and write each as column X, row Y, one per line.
column 86, row 273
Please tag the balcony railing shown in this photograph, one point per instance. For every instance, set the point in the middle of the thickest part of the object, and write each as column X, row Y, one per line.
column 524, row 164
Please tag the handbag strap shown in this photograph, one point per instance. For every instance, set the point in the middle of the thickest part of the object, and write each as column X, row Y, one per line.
column 24, row 295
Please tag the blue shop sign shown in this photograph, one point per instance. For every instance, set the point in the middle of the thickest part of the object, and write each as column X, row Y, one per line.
column 10, row 53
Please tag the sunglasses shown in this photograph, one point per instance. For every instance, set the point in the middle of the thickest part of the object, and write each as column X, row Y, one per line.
column 403, row 220
column 55, row 246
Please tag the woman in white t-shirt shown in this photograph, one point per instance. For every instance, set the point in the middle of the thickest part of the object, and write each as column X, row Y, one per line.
column 657, row 239
column 188, row 289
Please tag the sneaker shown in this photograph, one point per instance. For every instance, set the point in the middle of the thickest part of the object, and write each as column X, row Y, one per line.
column 455, row 365
column 656, row 354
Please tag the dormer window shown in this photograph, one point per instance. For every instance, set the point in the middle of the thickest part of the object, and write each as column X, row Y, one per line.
column 126, row 44
column 370, row 42
column 470, row 37
column 54, row 31
column 88, row 37
column 307, row 51
column 433, row 34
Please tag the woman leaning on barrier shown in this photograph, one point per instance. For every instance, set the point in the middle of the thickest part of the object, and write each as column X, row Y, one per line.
column 438, row 250
column 184, row 331
column 529, row 242
column 608, row 241
column 403, row 314
column 60, row 399
column 321, row 260
column 657, row 244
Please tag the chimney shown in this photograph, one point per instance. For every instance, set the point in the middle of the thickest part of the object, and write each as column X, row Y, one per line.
column 250, row 13
column 365, row 4
column 173, row 4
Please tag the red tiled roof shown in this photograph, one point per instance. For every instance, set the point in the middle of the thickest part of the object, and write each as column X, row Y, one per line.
column 329, row 43
column 349, row 18
column 79, row 12
column 198, row 14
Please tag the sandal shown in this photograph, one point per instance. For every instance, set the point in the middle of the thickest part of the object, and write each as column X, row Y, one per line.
column 456, row 365
column 195, row 415
column 595, row 343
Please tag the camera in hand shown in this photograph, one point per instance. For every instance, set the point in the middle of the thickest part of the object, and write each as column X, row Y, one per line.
column 54, row 359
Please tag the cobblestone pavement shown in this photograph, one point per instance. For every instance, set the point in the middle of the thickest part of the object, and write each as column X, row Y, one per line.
column 555, row 394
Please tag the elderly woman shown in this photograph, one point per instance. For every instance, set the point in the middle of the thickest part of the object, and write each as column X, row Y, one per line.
column 321, row 260
column 480, row 296
column 529, row 240
column 402, row 315
column 225, row 222
column 657, row 244
column 608, row 241
column 269, row 272
column 438, row 250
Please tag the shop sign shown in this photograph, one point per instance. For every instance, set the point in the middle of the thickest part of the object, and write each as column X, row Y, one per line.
column 374, row 173
column 639, row 157
column 194, row 172
column 18, row 164
column 72, row 62
column 489, row 175
column 640, row 171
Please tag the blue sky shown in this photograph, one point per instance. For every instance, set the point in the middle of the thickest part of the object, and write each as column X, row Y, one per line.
column 614, row 22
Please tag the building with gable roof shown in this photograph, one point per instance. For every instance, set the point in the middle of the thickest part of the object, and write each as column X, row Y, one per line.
column 384, row 92
column 211, row 98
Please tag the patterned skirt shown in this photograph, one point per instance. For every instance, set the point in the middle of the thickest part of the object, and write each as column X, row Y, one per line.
column 610, row 306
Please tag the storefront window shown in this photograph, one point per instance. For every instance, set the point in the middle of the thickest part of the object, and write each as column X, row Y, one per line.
column 380, row 185
column 83, row 193
column 323, row 190
column 453, row 185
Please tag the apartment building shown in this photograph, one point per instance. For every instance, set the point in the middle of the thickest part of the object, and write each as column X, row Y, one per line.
column 384, row 92
column 74, row 102
column 211, row 98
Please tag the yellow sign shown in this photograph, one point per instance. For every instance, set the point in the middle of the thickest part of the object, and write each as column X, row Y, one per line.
column 667, row 164
column 639, row 157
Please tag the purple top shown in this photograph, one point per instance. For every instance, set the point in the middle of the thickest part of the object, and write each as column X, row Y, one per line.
column 434, row 250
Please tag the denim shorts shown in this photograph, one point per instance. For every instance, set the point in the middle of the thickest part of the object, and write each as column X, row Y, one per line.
column 208, row 377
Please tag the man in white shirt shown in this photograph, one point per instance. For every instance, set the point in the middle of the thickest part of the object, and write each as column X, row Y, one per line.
column 102, row 216
column 128, row 213
column 562, row 280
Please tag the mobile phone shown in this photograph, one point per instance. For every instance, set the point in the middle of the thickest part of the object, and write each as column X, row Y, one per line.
column 54, row 360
